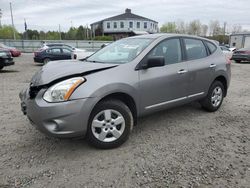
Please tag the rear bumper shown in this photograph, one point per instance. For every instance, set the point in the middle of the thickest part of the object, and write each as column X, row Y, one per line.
column 38, row 60
column 15, row 53
column 7, row 62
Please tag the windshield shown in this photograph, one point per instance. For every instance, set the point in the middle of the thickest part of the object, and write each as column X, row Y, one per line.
column 120, row 52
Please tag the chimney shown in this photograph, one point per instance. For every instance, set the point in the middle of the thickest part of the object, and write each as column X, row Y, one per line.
column 128, row 10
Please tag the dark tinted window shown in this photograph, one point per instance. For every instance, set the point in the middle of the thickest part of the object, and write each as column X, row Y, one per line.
column 130, row 24
column 121, row 24
column 211, row 47
column 195, row 49
column 138, row 25
column 108, row 25
column 169, row 49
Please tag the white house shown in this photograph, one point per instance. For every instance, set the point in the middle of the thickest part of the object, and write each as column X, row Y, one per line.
column 123, row 25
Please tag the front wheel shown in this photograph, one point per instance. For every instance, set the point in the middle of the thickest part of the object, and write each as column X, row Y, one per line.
column 214, row 98
column 110, row 124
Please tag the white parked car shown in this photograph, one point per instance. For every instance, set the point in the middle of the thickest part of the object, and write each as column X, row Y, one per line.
column 80, row 54
column 228, row 53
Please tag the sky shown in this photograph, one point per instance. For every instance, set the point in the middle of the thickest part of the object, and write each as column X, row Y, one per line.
column 48, row 14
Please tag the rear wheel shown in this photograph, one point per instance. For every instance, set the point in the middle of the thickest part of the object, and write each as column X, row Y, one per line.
column 110, row 124
column 46, row 60
column 214, row 98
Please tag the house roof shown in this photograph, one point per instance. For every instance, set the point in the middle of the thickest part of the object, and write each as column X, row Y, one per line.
column 126, row 16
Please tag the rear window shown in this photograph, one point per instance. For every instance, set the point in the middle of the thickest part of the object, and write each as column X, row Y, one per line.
column 211, row 47
column 195, row 49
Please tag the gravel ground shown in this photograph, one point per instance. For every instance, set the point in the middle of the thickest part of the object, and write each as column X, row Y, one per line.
column 181, row 147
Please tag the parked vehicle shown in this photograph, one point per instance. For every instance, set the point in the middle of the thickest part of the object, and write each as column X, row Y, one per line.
column 14, row 52
column 5, row 59
column 49, row 45
column 242, row 54
column 51, row 54
column 81, row 54
column 228, row 53
column 102, row 97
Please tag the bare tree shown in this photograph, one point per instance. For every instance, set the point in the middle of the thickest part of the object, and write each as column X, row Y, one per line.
column 214, row 27
column 194, row 27
column 181, row 27
column 236, row 28
column 204, row 29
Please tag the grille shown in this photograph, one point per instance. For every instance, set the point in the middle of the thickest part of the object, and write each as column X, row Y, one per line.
column 33, row 91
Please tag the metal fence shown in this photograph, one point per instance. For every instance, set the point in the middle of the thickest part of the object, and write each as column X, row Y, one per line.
column 32, row 45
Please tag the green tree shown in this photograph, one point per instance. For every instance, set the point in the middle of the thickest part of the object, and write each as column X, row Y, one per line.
column 71, row 34
column 80, row 35
column 6, row 32
column 169, row 27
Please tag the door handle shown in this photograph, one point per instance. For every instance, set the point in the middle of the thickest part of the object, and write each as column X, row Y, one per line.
column 182, row 71
column 212, row 66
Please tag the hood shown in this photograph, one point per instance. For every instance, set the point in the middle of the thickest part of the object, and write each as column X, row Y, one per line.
column 64, row 69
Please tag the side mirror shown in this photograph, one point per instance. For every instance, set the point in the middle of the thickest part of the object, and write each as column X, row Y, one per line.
column 157, row 61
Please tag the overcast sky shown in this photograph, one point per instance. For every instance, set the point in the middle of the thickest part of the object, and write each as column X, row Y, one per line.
column 48, row 14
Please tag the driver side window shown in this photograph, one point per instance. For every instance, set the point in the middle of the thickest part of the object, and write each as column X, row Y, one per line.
column 169, row 49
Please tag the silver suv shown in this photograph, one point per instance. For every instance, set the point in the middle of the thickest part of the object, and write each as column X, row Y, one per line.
column 102, row 96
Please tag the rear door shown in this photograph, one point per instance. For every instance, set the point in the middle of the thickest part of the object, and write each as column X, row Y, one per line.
column 55, row 53
column 201, row 69
column 161, row 87
column 66, row 53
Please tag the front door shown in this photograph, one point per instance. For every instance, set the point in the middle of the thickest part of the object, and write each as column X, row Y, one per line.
column 165, row 86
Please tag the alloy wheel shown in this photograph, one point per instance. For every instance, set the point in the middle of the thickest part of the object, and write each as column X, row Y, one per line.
column 108, row 125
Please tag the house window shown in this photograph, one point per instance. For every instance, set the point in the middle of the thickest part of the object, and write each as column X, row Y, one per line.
column 121, row 24
column 138, row 25
column 115, row 25
column 151, row 25
column 145, row 25
column 130, row 24
column 108, row 25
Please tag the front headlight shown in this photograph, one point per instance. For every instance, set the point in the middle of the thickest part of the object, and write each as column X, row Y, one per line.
column 62, row 91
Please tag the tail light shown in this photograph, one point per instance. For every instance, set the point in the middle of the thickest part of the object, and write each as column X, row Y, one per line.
column 75, row 56
column 228, row 61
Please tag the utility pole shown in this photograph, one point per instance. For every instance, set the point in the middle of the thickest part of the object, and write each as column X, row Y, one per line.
column 224, row 32
column 87, row 31
column 14, row 34
column 1, row 17
column 60, row 36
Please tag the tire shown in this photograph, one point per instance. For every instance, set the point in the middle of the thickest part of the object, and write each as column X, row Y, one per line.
column 214, row 98
column 110, row 124
column 46, row 60
column 237, row 61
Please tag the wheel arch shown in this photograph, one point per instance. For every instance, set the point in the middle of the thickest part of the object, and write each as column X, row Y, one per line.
column 126, row 99
column 223, row 80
